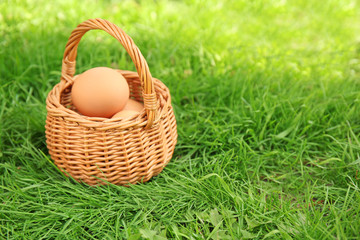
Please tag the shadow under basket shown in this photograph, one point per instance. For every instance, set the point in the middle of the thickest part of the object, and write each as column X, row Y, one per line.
column 100, row 150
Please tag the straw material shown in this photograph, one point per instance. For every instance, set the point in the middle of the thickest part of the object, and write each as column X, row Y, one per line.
column 119, row 151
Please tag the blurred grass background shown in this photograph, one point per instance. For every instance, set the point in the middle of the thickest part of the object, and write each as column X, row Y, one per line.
column 266, row 96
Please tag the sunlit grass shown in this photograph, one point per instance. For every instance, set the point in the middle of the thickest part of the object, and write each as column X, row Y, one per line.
column 266, row 96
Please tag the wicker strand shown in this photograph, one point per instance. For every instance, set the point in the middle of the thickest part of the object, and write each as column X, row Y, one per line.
column 150, row 101
column 67, row 70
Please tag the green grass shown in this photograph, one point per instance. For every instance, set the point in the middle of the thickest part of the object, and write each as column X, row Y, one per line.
column 266, row 96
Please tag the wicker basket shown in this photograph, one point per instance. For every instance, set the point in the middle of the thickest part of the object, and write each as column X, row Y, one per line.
column 119, row 151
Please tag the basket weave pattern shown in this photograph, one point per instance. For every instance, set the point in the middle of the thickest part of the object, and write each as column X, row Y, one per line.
column 121, row 151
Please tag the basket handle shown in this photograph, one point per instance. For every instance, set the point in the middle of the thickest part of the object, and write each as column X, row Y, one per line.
column 142, row 68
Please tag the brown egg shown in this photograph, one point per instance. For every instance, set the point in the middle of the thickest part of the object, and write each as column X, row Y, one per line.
column 134, row 105
column 100, row 92
column 125, row 114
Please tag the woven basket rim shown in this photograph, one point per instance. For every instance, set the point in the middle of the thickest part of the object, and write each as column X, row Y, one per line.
column 54, row 107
